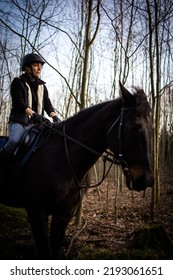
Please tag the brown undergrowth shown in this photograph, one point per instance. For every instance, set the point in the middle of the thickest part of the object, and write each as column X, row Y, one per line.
column 112, row 225
column 105, row 232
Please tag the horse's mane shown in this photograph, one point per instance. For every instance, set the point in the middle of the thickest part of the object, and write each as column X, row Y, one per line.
column 87, row 112
column 140, row 103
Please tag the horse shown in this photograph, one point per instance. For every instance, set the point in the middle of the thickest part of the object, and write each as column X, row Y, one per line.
column 50, row 184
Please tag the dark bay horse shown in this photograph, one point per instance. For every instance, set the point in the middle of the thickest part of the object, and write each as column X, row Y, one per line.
column 50, row 184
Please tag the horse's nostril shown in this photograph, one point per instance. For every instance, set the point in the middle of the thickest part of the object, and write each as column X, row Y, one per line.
column 143, row 182
column 140, row 182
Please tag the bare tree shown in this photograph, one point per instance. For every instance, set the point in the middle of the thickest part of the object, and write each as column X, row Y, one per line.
column 87, row 42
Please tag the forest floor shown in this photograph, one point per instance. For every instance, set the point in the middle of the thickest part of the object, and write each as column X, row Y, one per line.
column 103, row 233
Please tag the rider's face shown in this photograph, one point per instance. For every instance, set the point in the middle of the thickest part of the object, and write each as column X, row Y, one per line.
column 36, row 68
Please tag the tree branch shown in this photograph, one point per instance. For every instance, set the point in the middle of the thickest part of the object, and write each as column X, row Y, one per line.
column 22, row 36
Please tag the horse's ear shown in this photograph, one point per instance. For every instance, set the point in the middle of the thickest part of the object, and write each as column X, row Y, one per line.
column 127, row 97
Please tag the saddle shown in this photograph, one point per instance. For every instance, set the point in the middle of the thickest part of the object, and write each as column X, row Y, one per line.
column 29, row 143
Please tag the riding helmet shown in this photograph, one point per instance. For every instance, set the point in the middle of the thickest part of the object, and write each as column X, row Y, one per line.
column 30, row 58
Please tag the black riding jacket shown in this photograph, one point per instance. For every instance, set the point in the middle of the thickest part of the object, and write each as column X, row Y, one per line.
column 19, row 95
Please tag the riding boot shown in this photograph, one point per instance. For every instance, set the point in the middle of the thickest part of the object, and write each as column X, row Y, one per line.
column 6, row 160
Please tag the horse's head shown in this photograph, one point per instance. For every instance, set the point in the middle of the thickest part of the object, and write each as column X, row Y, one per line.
column 133, row 147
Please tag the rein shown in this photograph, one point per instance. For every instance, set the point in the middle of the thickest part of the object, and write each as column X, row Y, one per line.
column 108, row 156
column 104, row 158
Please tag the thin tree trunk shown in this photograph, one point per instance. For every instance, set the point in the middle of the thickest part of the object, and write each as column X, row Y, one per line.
column 88, row 43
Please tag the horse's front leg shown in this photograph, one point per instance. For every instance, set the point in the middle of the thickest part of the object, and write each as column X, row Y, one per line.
column 57, row 233
column 38, row 220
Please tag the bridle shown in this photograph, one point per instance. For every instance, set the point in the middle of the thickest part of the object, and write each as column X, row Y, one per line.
column 107, row 156
column 120, row 160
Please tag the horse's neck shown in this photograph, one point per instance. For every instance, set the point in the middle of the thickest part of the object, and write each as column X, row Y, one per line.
column 92, row 133
column 91, row 144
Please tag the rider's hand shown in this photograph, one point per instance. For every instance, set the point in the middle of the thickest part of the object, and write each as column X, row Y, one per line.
column 56, row 119
column 37, row 118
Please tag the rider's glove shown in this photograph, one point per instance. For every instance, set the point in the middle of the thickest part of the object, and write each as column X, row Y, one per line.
column 36, row 118
column 56, row 119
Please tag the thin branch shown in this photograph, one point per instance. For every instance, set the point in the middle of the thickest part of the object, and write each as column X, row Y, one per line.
column 51, row 25
column 73, row 238
column 22, row 36
column 98, row 23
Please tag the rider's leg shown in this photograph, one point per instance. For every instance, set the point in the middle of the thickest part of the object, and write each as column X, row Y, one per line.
column 5, row 160
column 16, row 131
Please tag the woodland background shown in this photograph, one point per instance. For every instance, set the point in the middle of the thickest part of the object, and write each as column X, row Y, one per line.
column 88, row 46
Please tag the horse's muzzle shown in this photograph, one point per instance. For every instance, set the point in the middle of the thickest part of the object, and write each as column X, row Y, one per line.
column 142, row 183
column 139, row 181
